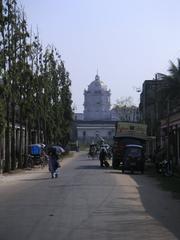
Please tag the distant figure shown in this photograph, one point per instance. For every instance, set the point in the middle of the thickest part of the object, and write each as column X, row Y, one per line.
column 159, row 157
column 53, row 163
column 102, row 156
column 92, row 150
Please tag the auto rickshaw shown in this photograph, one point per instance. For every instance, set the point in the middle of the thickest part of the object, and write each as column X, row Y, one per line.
column 36, row 155
column 133, row 158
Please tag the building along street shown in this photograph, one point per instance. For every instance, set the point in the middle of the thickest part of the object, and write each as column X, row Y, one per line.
column 85, row 202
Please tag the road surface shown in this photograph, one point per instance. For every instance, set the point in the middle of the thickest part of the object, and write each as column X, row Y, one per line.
column 86, row 202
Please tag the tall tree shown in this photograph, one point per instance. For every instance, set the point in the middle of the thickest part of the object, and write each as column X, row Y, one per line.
column 171, row 91
column 23, row 77
column 5, row 32
column 2, row 118
column 36, row 86
column 66, row 98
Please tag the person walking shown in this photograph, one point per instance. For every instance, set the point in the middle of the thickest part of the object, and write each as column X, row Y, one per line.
column 53, row 163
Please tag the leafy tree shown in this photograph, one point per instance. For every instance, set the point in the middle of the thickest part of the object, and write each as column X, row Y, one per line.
column 170, row 92
column 36, row 86
column 66, row 98
column 2, row 117
column 6, row 63
column 57, row 97
column 23, row 78
column 124, row 102
column 124, row 110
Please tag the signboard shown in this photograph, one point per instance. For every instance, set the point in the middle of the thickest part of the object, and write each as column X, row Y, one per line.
column 126, row 129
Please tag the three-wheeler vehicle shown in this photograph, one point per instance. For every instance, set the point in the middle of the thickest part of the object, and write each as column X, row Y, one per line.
column 36, row 155
column 133, row 158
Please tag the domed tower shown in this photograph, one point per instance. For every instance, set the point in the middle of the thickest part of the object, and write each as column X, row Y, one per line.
column 97, row 101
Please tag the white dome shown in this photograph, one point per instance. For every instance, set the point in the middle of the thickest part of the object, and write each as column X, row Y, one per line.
column 97, row 84
column 97, row 101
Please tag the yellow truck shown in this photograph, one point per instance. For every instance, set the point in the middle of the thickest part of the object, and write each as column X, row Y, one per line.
column 129, row 146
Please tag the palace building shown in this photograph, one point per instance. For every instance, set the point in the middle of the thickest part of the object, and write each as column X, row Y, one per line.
column 98, row 118
column 96, row 121
column 97, row 101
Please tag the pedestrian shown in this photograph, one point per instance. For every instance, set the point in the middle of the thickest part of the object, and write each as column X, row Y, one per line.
column 102, row 156
column 53, row 163
column 160, row 156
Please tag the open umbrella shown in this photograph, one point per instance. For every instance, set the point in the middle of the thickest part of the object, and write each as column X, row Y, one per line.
column 57, row 149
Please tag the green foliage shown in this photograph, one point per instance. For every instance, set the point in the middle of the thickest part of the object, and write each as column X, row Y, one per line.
column 36, row 85
column 172, row 87
column 173, row 80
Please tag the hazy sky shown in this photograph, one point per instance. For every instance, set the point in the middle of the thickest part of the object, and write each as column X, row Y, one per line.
column 128, row 41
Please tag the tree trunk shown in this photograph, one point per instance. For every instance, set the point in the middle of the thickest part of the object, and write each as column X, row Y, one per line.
column 13, row 144
column 7, row 140
column 26, row 138
column 20, row 141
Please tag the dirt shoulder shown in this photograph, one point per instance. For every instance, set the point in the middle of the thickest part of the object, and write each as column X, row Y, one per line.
column 18, row 174
column 160, row 204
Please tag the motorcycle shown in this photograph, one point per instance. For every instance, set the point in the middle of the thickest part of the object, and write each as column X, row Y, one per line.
column 165, row 167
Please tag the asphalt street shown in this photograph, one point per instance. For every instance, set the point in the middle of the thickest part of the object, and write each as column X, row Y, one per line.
column 86, row 202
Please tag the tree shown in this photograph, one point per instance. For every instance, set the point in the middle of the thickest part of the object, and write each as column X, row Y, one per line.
column 6, row 12
column 171, row 91
column 170, row 98
column 36, row 86
column 124, row 110
column 23, row 77
column 124, row 102
column 2, row 117
column 57, row 98
column 66, row 98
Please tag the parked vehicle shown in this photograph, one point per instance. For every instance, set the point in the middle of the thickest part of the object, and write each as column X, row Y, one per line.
column 166, row 168
column 133, row 158
column 36, row 155
column 128, row 134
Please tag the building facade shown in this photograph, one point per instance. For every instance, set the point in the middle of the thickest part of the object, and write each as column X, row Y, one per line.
column 162, row 117
column 96, row 121
column 170, row 135
column 97, row 101
column 92, row 131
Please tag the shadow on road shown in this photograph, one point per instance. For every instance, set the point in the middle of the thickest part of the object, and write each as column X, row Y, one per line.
column 36, row 179
column 120, row 172
column 86, row 160
column 159, row 204
column 91, row 167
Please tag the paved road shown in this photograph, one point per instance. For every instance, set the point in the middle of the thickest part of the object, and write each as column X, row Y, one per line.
column 86, row 202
